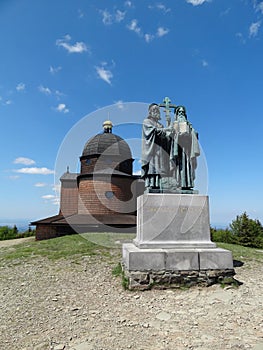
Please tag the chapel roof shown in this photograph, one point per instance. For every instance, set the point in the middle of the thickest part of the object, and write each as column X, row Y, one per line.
column 69, row 176
column 108, row 144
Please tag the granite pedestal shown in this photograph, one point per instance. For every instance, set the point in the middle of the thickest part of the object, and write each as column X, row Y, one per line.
column 173, row 243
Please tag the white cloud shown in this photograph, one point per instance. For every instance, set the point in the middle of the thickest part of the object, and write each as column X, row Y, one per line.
column 163, row 8
column 67, row 37
column 59, row 94
column 133, row 26
column 119, row 104
column 108, row 18
column 254, row 28
column 55, row 201
column 137, row 172
column 35, row 171
column 81, row 13
column 204, row 63
column 161, row 32
column 259, row 7
column 119, row 16
column 62, row 108
column 241, row 38
column 54, row 70
column 14, row 177
column 197, row 2
column 44, row 90
column 48, row 196
column 24, row 161
column 78, row 47
column 57, row 188
column 160, row 7
column 5, row 102
column 225, row 12
column 20, row 87
column 51, row 197
column 47, row 91
column 40, row 184
column 128, row 3
column 104, row 74
column 148, row 37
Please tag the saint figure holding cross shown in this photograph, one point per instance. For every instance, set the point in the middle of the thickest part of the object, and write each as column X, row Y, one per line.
column 169, row 153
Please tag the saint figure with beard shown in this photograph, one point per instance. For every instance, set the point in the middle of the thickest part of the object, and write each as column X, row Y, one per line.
column 156, row 146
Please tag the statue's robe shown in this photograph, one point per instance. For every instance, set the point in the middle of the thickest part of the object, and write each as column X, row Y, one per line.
column 184, row 151
column 156, row 144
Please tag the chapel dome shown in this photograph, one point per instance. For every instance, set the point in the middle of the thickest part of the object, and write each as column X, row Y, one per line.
column 108, row 144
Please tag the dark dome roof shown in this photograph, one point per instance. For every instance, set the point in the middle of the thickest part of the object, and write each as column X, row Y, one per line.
column 108, row 144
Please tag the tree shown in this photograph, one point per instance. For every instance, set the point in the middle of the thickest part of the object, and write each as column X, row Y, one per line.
column 246, row 231
column 221, row 235
column 15, row 230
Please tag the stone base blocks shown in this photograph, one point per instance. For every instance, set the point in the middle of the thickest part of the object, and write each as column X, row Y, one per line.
column 173, row 245
column 139, row 280
column 171, row 268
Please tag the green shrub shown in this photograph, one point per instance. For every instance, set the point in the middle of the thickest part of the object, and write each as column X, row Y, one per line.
column 243, row 231
column 222, row 235
column 247, row 232
column 7, row 232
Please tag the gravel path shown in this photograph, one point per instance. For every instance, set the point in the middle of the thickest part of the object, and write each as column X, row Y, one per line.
column 11, row 242
column 78, row 304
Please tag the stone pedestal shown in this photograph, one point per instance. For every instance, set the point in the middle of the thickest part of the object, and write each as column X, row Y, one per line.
column 173, row 245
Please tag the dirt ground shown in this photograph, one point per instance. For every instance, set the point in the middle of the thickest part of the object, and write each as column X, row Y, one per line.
column 77, row 303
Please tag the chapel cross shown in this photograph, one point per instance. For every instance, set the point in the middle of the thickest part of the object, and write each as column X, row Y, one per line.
column 167, row 105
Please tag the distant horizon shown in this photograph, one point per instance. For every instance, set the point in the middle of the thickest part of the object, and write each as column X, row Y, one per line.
column 24, row 223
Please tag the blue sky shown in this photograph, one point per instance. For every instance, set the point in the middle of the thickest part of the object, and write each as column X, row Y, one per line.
column 62, row 60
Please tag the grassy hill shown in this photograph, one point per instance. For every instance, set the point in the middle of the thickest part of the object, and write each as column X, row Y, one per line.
column 107, row 245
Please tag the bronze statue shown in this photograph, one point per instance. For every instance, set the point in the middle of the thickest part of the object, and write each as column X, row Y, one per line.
column 169, row 153
column 156, row 143
column 184, row 150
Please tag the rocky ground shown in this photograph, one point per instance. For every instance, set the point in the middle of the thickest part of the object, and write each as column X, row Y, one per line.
column 78, row 304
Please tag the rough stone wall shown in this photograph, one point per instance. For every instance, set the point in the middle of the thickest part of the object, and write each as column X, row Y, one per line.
column 143, row 280
column 93, row 198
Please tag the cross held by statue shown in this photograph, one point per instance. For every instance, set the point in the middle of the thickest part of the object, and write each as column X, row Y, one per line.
column 167, row 106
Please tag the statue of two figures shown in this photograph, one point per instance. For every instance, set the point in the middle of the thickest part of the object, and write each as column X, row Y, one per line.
column 169, row 154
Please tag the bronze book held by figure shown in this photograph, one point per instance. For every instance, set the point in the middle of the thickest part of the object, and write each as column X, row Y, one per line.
column 181, row 127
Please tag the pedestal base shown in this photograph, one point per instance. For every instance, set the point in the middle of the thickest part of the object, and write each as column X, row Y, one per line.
column 135, row 259
column 171, row 268
column 172, row 246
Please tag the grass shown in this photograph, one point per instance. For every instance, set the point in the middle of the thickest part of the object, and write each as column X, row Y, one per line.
column 57, row 248
column 109, row 239
column 117, row 270
column 103, row 244
column 243, row 253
